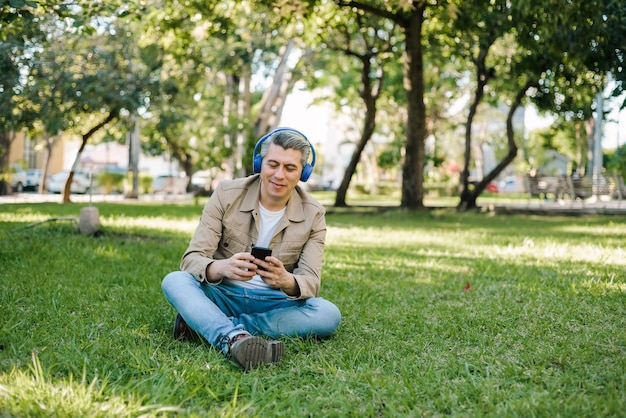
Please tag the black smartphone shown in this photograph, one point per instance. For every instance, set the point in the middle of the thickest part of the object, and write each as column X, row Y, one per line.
column 261, row 253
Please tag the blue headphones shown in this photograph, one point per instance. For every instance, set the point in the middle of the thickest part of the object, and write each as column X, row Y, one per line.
column 257, row 159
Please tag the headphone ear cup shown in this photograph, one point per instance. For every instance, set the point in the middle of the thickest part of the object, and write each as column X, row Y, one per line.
column 306, row 172
column 256, row 163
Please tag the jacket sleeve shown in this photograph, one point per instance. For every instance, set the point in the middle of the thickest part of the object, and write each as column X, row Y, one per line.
column 309, row 267
column 204, row 243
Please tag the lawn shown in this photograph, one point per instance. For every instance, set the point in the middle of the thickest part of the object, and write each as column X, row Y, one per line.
column 444, row 314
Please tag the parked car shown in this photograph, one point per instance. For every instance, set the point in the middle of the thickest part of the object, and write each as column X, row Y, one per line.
column 81, row 182
column 33, row 178
column 201, row 183
column 170, row 183
column 492, row 187
column 18, row 178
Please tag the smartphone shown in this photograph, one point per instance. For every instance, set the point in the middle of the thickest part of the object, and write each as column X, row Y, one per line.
column 261, row 253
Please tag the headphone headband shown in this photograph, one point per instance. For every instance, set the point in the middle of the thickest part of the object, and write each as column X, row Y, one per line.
column 257, row 159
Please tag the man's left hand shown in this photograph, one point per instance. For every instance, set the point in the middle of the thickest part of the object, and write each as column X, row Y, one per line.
column 276, row 276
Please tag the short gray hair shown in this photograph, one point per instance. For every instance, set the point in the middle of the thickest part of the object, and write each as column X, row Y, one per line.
column 288, row 139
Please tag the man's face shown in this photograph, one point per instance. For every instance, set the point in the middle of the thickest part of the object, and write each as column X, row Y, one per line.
column 280, row 173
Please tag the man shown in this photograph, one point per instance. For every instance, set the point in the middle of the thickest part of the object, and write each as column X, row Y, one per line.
column 231, row 298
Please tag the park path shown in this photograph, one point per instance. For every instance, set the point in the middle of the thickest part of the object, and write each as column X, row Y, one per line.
column 528, row 206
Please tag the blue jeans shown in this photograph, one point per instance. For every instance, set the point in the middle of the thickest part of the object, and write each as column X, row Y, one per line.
column 220, row 312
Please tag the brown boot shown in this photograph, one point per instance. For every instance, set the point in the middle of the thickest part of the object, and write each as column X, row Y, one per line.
column 250, row 352
column 182, row 330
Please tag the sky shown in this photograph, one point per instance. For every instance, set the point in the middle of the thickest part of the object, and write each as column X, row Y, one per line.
column 614, row 124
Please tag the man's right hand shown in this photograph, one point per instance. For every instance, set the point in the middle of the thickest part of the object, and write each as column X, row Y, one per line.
column 237, row 267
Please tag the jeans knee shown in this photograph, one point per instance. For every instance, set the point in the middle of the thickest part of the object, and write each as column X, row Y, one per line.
column 174, row 280
column 334, row 317
column 168, row 281
column 330, row 315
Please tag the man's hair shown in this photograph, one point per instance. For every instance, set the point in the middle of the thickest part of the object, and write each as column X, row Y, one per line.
column 288, row 139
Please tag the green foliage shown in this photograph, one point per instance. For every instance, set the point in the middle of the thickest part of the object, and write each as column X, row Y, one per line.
column 391, row 156
column 444, row 314
column 65, row 63
column 110, row 181
column 145, row 183
column 616, row 163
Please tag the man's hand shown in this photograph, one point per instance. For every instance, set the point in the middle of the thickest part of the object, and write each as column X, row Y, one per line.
column 276, row 276
column 238, row 267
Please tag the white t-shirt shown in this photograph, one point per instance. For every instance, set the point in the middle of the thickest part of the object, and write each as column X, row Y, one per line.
column 269, row 222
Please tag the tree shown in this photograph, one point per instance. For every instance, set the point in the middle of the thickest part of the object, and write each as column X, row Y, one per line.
column 409, row 16
column 585, row 46
column 66, row 89
column 209, row 102
column 368, row 41
column 480, row 28
column 100, row 85
column 18, row 28
column 617, row 162
column 550, row 53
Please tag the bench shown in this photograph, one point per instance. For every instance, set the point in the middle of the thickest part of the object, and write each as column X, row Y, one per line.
column 620, row 190
column 586, row 187
column 559, row 187
column 556, row 187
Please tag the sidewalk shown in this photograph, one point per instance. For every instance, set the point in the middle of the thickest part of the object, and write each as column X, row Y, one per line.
column 591, row 206
column 97, row 198
column 529, row 206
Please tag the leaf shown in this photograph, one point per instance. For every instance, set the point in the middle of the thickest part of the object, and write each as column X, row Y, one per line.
column 18, row 4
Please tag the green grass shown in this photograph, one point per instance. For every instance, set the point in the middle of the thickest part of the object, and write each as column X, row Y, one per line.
column 541, row 332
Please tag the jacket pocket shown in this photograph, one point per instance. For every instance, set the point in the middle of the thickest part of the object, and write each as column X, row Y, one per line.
column 289, row 257
column 232, row 244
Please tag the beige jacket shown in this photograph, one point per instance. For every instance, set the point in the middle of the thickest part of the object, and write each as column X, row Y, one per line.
column 230, row 224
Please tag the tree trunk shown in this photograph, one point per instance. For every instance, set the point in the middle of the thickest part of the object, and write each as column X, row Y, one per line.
column 227, row 111
column 134, row 149
column 470, row 202
column 180, row 154
column 67, row 190
column 273, row 99
column 483, row 74
column 413, row 168
column 579, row 147
column 50, row 140
column 6, row 140
column 369, row 93
column 590, row 126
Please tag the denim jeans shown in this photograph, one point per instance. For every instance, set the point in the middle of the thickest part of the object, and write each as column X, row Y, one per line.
column 220, row 312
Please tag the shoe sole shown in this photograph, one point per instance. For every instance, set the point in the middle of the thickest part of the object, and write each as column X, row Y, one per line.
column 278, row 350
column 251, row 352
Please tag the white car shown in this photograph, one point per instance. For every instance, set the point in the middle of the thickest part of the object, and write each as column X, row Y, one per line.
column 18, row 178
column 81, row 182
column 170, row 184
column 201, row 183
column 33, row 178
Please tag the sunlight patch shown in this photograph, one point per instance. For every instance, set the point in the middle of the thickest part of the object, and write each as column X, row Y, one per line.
column 37, row 394
column 158, row 223
column 609, row 284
